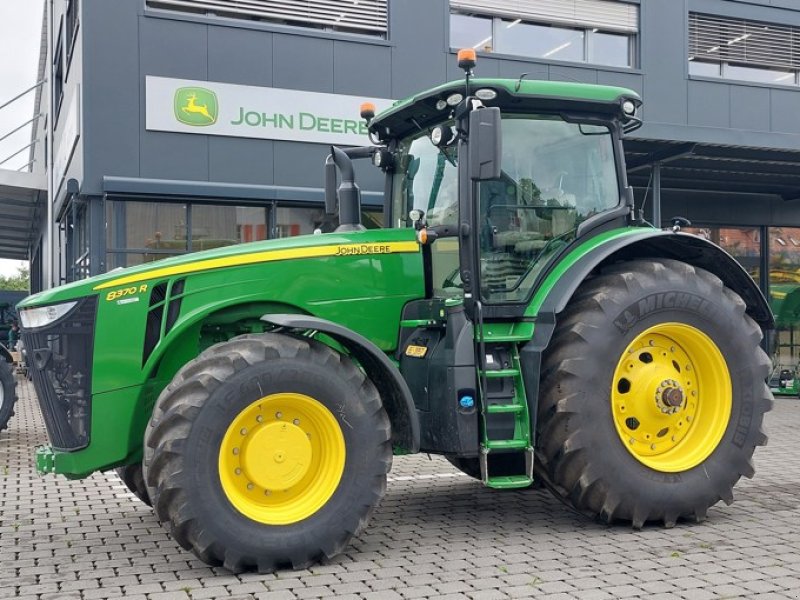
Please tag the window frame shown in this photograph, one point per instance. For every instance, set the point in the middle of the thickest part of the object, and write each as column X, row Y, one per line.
column 497, row 21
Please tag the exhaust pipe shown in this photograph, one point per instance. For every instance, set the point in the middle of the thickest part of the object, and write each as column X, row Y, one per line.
column 348, row 194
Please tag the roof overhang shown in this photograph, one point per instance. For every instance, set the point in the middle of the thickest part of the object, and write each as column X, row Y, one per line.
column 21, row 198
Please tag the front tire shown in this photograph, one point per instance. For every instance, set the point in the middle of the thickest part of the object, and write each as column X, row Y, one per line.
column 653, row 394
column 8, row 393
column 133, row 478
column 267, row 451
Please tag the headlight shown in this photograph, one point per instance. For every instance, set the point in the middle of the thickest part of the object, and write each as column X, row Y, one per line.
column 628, row 107
column 45, row 315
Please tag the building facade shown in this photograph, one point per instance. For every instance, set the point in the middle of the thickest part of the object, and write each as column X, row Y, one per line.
column 177, row 125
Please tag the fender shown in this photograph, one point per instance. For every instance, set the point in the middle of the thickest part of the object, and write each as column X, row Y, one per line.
column 650, row 243
column 392, row 388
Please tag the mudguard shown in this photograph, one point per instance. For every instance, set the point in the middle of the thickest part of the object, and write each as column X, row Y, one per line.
column 384, row 375
column 656, row 243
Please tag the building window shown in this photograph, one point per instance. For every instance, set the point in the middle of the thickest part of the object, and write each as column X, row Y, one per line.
column 743, row 50
column 71, row 21
column 743, row 243
column 140, row 232
column 58, row 73
column 599, row 32
column 359, row 16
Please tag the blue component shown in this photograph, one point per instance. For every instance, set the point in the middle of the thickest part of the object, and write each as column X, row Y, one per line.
column 467, row 402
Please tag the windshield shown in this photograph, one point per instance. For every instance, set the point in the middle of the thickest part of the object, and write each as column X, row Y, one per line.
column 425, row 179
column 555, row 175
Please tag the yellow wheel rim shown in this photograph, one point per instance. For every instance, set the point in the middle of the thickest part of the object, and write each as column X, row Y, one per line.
column 282, row 458
column 671, row 397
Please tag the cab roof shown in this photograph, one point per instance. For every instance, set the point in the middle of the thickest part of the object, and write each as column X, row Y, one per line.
column 513, row 95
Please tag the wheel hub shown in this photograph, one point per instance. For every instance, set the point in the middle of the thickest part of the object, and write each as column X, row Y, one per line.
column 669, row 396
column 276, row 456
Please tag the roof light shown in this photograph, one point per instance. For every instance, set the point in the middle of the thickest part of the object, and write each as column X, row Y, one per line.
column 441, row 135
column 454, row 99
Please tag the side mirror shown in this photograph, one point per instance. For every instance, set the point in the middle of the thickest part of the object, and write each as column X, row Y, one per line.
column 485, row 144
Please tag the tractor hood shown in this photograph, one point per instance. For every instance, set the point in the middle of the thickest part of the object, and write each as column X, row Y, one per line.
column 369, row 242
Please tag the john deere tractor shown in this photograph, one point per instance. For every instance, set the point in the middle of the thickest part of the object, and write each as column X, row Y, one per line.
column 517, row 316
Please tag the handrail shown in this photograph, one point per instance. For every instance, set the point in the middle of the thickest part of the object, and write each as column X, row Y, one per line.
column 8, row 158
column 13, row 131
column 21, row 94
column 35, row 86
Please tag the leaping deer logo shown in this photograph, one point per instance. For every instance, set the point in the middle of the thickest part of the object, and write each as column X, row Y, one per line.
column 196, row 106
column 191, row 107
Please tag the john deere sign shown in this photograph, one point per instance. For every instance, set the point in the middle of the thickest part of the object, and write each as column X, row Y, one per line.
column 255, row 112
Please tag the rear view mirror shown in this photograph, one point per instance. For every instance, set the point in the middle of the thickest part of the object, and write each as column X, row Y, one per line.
column 485, row 144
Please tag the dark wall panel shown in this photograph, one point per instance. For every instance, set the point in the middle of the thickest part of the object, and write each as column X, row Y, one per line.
column 110, row 92
column 174, row 156
column 749, row 108
column 663, row 60
column 240, row 160
column 302, row 63
column 173, row 48
column 709, row 104
column 785, row 115
column 419, row 35
column 362, row 70
column 240, row 56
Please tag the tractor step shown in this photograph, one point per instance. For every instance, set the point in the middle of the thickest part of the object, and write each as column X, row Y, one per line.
column 494, row 409
column 506, row 444
column 500, row 373
column 509, row 482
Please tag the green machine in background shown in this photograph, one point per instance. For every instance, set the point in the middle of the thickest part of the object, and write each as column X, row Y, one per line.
column 785, row 302
column 516, row 316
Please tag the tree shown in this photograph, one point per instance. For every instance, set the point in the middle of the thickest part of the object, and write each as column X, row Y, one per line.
column 20, row 281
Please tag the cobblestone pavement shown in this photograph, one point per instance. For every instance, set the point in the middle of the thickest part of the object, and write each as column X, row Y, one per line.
column 438, row 534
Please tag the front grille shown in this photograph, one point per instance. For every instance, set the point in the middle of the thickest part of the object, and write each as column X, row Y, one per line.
column 60, row 360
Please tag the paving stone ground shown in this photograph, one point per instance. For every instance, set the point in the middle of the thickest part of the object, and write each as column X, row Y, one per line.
column 438, row 534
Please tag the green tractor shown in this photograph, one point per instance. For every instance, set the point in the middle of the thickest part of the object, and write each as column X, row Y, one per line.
column 517, row 316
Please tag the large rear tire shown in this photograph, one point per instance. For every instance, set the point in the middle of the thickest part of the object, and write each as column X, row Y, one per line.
column 267, row 451
column 653, row 394
column 8, row 393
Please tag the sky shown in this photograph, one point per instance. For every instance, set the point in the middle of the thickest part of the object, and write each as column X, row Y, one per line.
column 20, row 35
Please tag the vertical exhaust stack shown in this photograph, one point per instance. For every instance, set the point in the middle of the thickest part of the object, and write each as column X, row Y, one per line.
column 348, row 193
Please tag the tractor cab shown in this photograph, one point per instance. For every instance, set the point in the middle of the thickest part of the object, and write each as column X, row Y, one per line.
column 498, row 178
